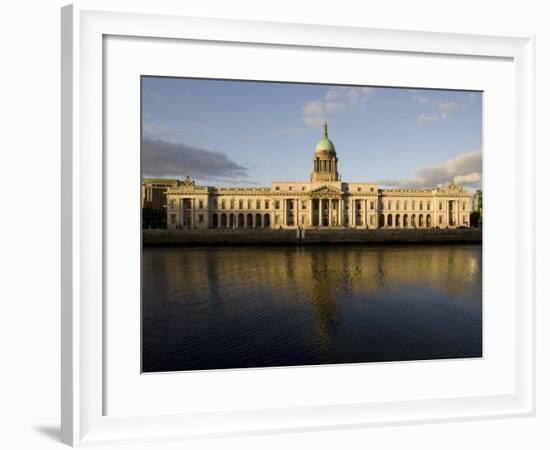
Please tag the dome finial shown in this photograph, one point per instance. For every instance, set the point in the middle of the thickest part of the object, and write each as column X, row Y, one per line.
column 325, row 129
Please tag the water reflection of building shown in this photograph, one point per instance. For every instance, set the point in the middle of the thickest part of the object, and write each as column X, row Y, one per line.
column 325, row 201
column 322, row 277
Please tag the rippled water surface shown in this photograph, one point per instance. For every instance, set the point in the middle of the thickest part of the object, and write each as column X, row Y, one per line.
column 234, row 307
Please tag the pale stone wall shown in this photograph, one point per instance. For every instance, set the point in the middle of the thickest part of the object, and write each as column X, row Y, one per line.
column 289, row 205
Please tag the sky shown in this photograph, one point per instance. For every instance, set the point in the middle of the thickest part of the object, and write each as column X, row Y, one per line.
column 244, row 133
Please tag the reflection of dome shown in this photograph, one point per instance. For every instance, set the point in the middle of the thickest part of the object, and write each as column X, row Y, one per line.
column 325, row 147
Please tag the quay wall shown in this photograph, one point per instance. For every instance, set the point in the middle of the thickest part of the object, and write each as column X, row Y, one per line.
column 309, row 236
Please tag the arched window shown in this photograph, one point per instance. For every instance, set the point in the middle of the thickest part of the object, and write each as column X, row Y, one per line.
column 267, row 220
column 249, row 220
column 420, row 220
column 224, row 221
column 214, row 220
column 240, row 220
column 390, row 221
column 258, row 220
column 429, row 221
column 405, row 220
column 381, row 224
column 397, row 220
column 231, row 220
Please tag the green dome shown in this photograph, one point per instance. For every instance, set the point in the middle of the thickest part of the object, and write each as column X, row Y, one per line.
column 325, row 147
column 325, row 144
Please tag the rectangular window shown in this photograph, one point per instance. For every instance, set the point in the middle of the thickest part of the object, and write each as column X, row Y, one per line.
column 172, row 218
column 258, row 204
column 440, row 220
column 223, row 204
column 277, row 188
column 372, row 220
column 406, row 205
column 358, row 189
column 397, row 205
column 232, row 204
column 413, row 204
column 304, row 204
column 215, row 203
column 201, row 204
column 201, row 218
column 440, row 206
column 428, row 206
column 371, row 205
column 277, row 204
column 240, row 204
column 266, row 204
column 290, row 188
column 249, row 204
column 463, row 206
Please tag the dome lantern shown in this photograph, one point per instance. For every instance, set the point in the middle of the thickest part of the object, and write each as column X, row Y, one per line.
column 325, row 162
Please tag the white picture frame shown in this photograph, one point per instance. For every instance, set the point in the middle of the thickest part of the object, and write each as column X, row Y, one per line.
column 83, row 245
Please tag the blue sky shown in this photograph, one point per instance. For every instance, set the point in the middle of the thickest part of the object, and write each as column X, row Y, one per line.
column 251, row 133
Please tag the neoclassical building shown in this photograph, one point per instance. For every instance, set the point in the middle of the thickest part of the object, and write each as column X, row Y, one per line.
column 325, row 201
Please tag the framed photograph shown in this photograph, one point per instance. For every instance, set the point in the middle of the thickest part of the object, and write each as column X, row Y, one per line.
column 278, row 227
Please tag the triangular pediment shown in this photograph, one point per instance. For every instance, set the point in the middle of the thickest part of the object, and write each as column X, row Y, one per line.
column 326, row 189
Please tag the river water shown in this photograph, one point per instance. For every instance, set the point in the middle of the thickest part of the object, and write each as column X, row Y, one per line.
column 237, row 307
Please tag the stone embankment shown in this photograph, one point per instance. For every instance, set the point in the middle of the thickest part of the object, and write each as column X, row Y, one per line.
column 308, row 237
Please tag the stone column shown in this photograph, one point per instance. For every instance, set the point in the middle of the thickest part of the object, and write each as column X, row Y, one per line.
column 329, row 212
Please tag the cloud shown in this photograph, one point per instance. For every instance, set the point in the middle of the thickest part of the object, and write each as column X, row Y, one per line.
column 162, row 158
column 464, row 169
column 336, row 100
column 437, row 110
column 426, row 119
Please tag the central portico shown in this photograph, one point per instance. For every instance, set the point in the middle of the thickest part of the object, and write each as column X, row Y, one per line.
column 327, row 206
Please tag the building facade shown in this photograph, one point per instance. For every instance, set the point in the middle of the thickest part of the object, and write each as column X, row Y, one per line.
column 325, row 201
column 477, row 213
column 153, row 201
